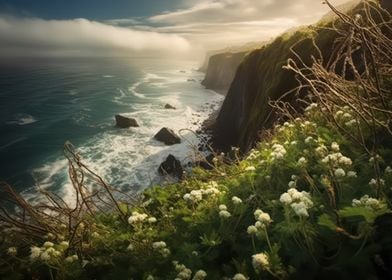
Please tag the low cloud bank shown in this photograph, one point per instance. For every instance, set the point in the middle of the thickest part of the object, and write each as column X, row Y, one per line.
column 81, row 37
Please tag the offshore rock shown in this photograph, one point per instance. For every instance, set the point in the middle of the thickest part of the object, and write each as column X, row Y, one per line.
column 171, row 166
column 167, row 136
column 124, row 122
column 168, row 106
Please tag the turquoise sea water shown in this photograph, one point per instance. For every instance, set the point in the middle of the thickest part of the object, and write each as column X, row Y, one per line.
column 44, row 102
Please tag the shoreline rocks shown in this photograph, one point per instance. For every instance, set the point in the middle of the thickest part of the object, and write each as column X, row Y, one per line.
column 171, row 166
column 124, row 122
column 167, row 136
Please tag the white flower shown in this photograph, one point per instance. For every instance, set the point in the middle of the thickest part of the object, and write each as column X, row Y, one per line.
column 335, row 147
column 345, row 161
column 12, row 251
column 222, row 207
column 224, row 214
column 262, row 217
column 300, row 209
column 150, row 277
column 130, row 247
column 137, row 218
column 388, row 170
column 368, row 202
column 250, row 168
column 374, row 182
column 285, row 198
column 260, row 262
column 159, row 245
column 252, row 230
column 236, row 200
column 340, row 173
column 278, row 152
column 35, row 252
column 239, row 276
column 64, row 244
column 200, row 275
column 48, row 244
column 152, row 220
column 352, row 174
column 292, row 184
column 302, row 161
column 45, row 256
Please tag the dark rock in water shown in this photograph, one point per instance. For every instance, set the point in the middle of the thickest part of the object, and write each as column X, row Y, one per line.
column 168, row 106
column 124, row 122
column 191, row 80
column 167, row 136
column 171, row 166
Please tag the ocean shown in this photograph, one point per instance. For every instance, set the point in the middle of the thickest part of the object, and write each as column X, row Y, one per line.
column 45, row 102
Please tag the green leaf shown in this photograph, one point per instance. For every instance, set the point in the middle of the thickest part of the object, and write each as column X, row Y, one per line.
column 326, row 220
column 368, row 214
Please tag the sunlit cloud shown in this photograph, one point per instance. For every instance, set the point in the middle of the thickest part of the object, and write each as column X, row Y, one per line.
column 33, row 36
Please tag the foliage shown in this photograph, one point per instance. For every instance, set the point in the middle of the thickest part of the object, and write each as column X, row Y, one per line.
column 311, row 201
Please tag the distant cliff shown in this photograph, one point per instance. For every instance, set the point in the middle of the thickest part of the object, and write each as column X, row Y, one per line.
column 260, row 78
column 221, row 70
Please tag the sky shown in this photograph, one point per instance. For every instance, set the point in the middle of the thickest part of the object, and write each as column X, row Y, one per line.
column 185, row 28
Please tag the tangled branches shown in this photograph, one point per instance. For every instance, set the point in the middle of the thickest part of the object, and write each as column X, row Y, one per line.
column 352, row 88
column 56, row 217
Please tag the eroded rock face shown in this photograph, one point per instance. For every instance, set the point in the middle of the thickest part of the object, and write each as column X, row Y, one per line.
column 167, row 136
column 221, row 70
column 124, row 122
column 171, row 166
column 168, row 106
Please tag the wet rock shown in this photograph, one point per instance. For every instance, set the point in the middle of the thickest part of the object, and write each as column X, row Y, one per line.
column 167, row 136
column 124, row 122
column 168, row 106
column 171, row 166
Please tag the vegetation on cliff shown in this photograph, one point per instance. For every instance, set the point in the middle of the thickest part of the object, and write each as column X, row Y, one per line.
column 311, row 201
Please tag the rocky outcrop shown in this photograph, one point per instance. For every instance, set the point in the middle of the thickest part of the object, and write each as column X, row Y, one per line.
column 171, row 166
column 221, row 70
column 168, row 106
column 124, row 122
column 260, row 78
column 167, row 136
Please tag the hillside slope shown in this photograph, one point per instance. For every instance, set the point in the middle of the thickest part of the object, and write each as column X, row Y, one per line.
column 260, row 78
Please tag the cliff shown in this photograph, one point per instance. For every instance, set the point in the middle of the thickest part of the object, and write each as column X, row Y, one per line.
column 260, row 78
column 221, row 70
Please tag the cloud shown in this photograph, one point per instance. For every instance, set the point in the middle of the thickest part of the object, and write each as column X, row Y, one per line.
column 33, row 36
column 218, row 23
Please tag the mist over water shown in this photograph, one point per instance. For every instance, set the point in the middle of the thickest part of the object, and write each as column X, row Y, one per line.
column 44, row 103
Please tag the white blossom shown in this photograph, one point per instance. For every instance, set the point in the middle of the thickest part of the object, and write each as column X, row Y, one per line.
column 35, row 252
column 260, row 261
column 352, row 174
column 200, row 275
column 236, row 200
column 12, row 251
column 224, row 214
column 252, row 230
column 250, row 168
column 339, row 172
column 239, row 276
column 335, row 147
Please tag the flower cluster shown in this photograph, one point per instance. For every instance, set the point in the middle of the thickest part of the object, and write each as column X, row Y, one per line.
column 49, row 252
column 161, row 247
column 223, row 213
column 260, row 262
column 210, row 189
column 136, row 218
column 240, row 276
column 200, row 275
column 262, row 221
column 236, row 200
column 368, row 202
column 278, row 152
column 300, row 202
column 184, row 273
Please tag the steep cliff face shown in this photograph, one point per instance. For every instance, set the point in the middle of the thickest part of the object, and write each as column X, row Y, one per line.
column 221, row 70
column 261, row 78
